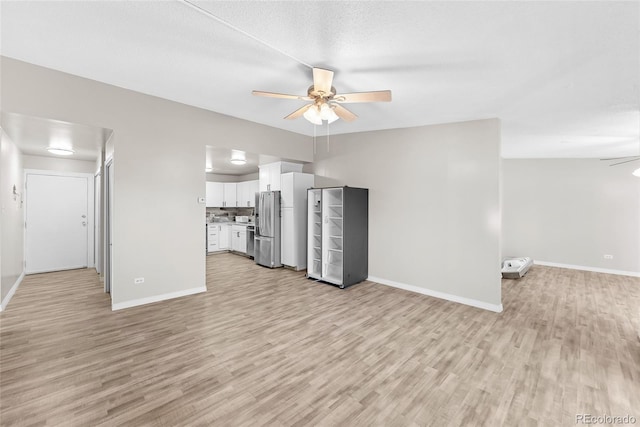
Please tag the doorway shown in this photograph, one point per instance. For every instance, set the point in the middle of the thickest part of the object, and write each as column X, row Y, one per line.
column 58, row 221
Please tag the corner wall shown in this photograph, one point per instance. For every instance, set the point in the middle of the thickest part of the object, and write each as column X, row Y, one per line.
column 11, row 221
column 434, row 205
column 572, row 212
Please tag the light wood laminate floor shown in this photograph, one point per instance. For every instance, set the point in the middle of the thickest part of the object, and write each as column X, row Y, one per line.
column 269, row 347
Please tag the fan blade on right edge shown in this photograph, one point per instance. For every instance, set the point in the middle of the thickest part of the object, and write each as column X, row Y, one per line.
column 279, row 95
column 343, row 113
column 626, row 161
column 322, row 80
column 375, row 96
column 300, row 111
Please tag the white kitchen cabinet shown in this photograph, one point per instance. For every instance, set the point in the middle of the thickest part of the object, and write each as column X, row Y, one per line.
column 270, row 174
column 224, row 237
column 212, row 237
column 215, row 194
column 239, row 238
column 218, row 237
column 230, row 199
column 247, row 193
column 293, row 202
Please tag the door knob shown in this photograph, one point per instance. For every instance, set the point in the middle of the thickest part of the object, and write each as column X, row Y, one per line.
column 84, row 223
column 84, row 216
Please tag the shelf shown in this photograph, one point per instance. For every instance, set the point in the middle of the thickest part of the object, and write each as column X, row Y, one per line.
column 336, row 237
column 335, row 206
column 334, row 250
column 336, row 217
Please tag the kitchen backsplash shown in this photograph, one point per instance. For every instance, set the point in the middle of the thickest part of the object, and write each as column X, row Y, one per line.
column 229, row 213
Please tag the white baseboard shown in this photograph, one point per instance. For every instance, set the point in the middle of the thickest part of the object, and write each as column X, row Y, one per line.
column 584, row 268
column 157, row 298
column 14, row 288
column 442, row 295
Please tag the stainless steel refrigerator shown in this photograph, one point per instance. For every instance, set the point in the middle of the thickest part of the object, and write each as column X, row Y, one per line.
column 267, row 237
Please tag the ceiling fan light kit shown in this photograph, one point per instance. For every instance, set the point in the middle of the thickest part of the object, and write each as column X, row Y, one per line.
column 326, row 102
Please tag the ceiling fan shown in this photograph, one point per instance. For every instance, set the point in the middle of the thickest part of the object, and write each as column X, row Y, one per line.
column 622, row 160
column 325, row 102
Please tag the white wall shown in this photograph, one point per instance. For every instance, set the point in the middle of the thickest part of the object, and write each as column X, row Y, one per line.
column 12, row 216
column 572, row 212
column 58, row 164
column 158, row 148
column 434, row 205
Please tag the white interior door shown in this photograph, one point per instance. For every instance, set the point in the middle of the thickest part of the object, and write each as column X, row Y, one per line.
column 57, row 219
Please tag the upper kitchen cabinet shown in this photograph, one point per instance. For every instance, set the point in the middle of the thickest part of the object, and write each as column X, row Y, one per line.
column 215, row 194
column 247, row 193
column 230, row 195
column 270, row 174
column 222, row 195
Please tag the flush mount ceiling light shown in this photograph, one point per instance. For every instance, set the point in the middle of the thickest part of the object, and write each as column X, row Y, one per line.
column 208, row 169
column 238, row 157
column 326, row 103
column 60, row 151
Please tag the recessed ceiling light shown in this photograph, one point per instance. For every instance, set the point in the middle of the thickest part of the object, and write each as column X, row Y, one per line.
column 60, row 151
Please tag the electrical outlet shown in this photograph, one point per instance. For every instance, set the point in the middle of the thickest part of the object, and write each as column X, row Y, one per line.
column 138, row 280
column 607, row 256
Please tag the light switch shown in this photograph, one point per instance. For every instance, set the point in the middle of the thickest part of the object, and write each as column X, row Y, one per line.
column 200, row 199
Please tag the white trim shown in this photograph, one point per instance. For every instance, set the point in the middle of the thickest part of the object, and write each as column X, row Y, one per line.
column 157, row 298
column 584, row 268
column 442, row 295
column 14, row 288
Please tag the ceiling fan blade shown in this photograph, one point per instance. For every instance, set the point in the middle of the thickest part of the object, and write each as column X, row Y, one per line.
column 322, row 80
column 279, row 95
column 300, row 111
column 626, row 161
column 375, row 96
column 343, row 113
column 619, row 158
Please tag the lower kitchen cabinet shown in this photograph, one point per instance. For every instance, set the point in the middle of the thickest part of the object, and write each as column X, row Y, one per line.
column 218, row 237
column 239, row 238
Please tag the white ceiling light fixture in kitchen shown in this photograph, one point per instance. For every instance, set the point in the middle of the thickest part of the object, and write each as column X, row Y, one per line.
column 238, row 157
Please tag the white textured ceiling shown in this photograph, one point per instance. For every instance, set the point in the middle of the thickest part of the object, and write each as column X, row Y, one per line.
column 562, row 76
